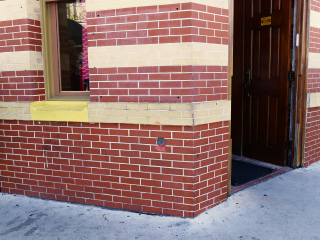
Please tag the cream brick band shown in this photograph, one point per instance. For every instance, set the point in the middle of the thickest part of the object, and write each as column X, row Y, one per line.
column 209, row 112
column 19, row 61
column 19, row 9
column 313, row 100
column 97, row 5
column 179, row 114
column 170, row 54
column 15, row 111
column 314, row 19
column 314, row 60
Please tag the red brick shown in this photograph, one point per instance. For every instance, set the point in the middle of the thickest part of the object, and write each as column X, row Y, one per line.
column 32, row 194
column 181, row 14
column 126, row 11
column 169, row 39
column 137, row 18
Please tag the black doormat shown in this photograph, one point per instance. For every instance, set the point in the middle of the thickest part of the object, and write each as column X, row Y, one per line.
column 243, row 172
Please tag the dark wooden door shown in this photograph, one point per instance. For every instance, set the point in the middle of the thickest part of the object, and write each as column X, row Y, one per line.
column 266, row 66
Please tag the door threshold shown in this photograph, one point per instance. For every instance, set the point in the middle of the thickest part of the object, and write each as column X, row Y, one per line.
column 277, row 170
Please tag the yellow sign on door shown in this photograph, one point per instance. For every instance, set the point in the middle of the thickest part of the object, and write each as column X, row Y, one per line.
column 266, row 21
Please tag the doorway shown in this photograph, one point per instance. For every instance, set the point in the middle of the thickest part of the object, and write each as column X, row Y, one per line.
column 260, row 113
column 260, row 86
column 288, row 141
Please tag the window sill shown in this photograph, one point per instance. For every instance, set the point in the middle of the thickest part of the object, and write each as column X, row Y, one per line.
column 70, row 98
column 61, row 111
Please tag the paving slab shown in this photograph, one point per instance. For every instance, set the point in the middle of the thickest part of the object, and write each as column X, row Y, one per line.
column 284, row 207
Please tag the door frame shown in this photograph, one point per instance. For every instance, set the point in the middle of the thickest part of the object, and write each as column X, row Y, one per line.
column 300, row 91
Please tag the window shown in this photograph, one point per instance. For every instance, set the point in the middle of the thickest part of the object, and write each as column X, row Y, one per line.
column 66, row 48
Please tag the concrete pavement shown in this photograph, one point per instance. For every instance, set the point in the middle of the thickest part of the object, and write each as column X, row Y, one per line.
column 284, row 207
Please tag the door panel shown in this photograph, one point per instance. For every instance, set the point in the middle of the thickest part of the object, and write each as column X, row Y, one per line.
column 275, row 57
column 276, row 5
column 266, row 55
column 256, row 7
column 256, row 53
column 272, row 121
column 266, row 6
column 254, row 119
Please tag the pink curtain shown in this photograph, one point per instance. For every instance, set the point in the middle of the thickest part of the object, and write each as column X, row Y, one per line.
column 85, row 66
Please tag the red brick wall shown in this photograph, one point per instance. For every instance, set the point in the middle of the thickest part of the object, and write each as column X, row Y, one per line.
column 312, row 150
column 312, row 146
column 313, row 80
column 314, row 36
column 16, row 36
column 172, row 23
column 315, row 5
column 211, row 165
column 20, row 35
column 314, row 47
column 22, row 86
column 159, row 84
column 186, row 22
column 117, row 165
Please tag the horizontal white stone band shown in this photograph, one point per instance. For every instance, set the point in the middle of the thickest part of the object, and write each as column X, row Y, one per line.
column 19, row 9
column 179, row 114
column 19, row 61
column 314, row 100
column 15, row 111
column 315, row 19
column 314, row 60
column 170, row 54
column 97, row 5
